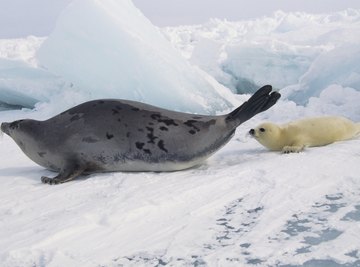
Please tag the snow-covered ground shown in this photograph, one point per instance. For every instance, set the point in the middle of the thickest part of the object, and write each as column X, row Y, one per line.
column 245, row 206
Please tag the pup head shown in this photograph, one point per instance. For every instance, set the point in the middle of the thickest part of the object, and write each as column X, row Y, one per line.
column 267, row 134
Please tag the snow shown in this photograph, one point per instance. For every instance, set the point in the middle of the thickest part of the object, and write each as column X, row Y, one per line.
column 244, row 206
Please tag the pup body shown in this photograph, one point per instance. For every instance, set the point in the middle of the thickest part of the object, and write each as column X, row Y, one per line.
column 310, row 132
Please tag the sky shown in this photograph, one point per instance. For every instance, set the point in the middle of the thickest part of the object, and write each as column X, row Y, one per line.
column 20, row 18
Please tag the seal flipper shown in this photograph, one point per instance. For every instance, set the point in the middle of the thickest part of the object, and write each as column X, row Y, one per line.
column 70, row 172
column 262, row 100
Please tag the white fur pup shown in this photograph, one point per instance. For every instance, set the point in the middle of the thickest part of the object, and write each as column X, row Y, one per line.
column 295, row 136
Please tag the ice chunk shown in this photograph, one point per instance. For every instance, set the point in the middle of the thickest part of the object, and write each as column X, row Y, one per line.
column 338, row 66
column 22, row 85
column 253, row 65
column 110, row 50
column 337, row 100
column 304, row 52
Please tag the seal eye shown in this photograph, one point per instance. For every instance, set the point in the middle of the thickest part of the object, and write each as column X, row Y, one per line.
column 262, row 130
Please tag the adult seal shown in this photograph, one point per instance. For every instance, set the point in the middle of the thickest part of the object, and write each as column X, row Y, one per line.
column 308, row 132
column 121, row 135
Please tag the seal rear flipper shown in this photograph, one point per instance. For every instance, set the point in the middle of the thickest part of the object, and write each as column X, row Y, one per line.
column 69, row 173
column 260, row 101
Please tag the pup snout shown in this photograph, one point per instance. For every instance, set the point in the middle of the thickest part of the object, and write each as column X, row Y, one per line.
column 252, row 132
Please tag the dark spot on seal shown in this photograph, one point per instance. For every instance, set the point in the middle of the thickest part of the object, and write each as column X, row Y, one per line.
column 139, row 145
column 89, row 139
column 151, row 135
column 141, row 130
column 165, row 120
column 147, row 151
column 151, row 123
column 169, row 122
column 109, row 136
column 162, row 146
column 118, row 107
column 119, row 120
column 101, row 102
column 128, row 134
column 192, row 132
column 42, row 154
column 190, row 123
column 135, row 109
column 197, row 117
column 75, row 118
column 155, row 116
column 163, row 128
column 115, row 111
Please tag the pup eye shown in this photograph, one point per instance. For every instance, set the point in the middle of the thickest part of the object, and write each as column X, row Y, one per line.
column 262, row 130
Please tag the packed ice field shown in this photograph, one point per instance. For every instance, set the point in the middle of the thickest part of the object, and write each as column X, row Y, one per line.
column 244, row 206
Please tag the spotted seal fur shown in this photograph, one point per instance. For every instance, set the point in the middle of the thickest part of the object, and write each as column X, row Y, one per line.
column 122, row 135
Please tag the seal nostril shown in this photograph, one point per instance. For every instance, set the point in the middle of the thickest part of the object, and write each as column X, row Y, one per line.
column 252, row 132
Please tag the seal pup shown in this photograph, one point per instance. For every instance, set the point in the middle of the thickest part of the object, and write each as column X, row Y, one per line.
column 309, row 132
column 122, row 135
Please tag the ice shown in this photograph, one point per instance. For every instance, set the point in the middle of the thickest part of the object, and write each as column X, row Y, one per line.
column 300, row 54
column 22, row 85
column 337, row 100
column 110, row 50
column 338, row 66
column 253, row 65
column 304, row 53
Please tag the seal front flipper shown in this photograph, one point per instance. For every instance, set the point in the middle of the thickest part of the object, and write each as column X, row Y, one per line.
column 293, row 149
column 70, row 172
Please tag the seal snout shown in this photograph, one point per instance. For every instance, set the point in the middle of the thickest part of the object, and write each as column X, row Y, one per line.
column 5, row 127
column 252, row 132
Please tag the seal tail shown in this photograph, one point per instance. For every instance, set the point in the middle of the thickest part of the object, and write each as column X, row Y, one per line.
column 262, row 100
